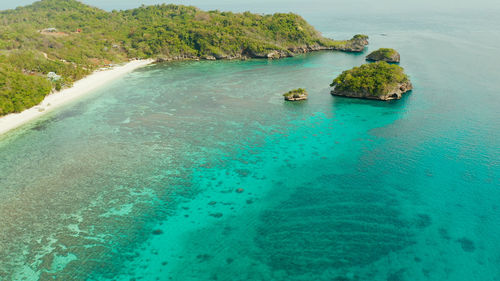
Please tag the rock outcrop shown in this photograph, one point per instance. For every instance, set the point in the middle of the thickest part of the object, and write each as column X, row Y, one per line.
column 355, row 44
column 296, row 95
column 377, row 81
column 384, row 54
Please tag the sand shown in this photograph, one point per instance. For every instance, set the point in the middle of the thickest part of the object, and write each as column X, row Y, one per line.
column 79, row 89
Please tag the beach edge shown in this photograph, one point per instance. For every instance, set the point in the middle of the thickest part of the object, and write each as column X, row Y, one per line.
column 79, row 89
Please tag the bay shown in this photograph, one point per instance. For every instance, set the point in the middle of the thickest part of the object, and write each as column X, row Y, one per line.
column 140, row 179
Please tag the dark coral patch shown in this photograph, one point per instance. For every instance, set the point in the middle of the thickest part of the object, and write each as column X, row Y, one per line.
column 467, row 245
column 157, row 231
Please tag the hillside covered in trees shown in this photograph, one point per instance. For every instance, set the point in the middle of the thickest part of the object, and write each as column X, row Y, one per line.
column 67, row 40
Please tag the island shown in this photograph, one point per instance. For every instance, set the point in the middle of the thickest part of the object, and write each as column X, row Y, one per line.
column 378, row 81
column 384, row 54
column 50, row 44
column 296, row 95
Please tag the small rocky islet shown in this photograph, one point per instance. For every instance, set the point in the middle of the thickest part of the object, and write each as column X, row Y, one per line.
column 377, row 81
column 296, row 95
column 384, row 54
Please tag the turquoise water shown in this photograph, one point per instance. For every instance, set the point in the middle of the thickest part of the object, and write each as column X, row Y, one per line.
column 138, row 181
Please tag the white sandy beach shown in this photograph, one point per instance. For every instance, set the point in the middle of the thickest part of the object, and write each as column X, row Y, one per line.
column 79, row 89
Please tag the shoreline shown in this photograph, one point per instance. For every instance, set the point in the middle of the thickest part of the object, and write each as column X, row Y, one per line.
column 80, row 88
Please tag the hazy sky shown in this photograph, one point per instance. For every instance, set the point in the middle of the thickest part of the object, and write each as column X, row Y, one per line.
column 301, row 6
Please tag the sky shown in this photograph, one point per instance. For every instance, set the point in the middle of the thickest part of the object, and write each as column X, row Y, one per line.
column 342, row 6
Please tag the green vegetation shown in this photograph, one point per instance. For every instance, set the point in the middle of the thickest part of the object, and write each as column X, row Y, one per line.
column 20, row 91
column 360, row 37
column 375, row 79
column 297, row 93
column 72, row 39
column 384, row 54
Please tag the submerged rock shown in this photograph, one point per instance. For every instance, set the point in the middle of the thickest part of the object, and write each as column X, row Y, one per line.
column 157, row 231
column 216, row 215
column 378, row 81
column 204, row 257
column 467, row 245
column 384, row 54
column 296, row 95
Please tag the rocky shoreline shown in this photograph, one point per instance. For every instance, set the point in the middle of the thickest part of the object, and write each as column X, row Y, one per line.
column 395, row 93
column 355, row 45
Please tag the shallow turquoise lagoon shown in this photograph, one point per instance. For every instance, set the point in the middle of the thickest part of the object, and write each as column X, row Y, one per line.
column 138, row 181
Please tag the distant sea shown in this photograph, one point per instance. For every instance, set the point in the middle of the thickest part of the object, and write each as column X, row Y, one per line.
column 200, row 171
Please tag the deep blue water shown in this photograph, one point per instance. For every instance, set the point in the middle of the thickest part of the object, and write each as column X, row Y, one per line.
column 138, row 180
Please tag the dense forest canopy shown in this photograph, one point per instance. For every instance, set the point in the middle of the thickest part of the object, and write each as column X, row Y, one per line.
column 72, row 39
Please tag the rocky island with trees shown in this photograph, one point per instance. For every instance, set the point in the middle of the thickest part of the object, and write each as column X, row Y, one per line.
column 384, row 54
column 378, row 81
column 296, row 95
